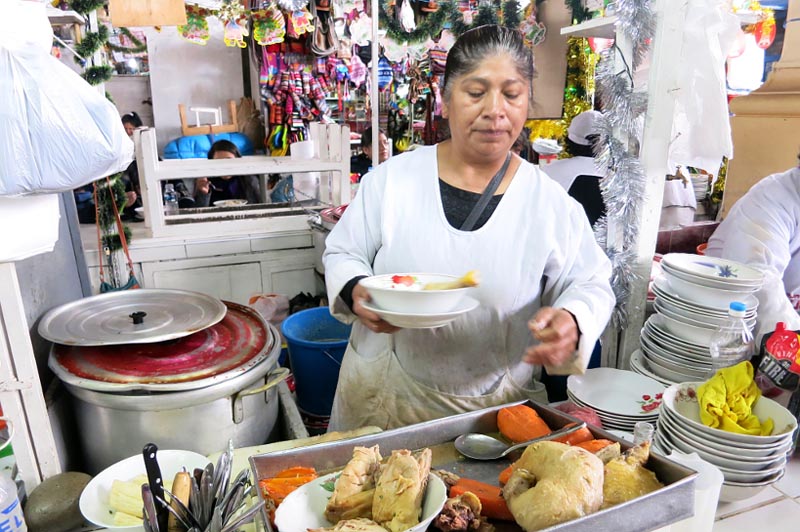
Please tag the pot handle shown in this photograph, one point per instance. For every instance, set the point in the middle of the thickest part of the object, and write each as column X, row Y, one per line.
column 274, row 377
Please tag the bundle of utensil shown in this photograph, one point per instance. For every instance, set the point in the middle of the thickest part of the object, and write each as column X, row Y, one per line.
column 202, row 501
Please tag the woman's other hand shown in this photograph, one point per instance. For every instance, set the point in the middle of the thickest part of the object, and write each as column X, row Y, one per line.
column 202, row 185
column 373, row 322
column 558, row 334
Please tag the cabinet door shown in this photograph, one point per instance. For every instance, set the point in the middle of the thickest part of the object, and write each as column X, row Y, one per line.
column 234, row 282
column 290, row 280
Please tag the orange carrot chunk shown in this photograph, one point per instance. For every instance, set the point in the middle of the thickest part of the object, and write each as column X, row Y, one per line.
column 576, row 437
column 521, row 423
column 505, row 474
column 594, row 445
column 492, row 502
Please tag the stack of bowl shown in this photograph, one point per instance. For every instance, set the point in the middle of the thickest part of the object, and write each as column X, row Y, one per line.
column 620, row 398
column 691, row 301
column 748, row 463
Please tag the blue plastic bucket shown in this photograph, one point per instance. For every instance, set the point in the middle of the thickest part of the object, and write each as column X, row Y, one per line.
column 316, row 342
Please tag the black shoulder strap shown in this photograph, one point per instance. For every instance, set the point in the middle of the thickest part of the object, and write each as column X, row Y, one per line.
column 486, row 196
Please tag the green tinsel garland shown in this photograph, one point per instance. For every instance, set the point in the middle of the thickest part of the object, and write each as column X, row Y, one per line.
column 84, row 7
column 95, row 75
column 105, row 212
column 138, row 46
column 579, row 13
column 448, row 13
column 428, row 28
column 91, row 43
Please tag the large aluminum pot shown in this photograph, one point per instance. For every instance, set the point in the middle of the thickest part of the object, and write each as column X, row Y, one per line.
column 244, row 409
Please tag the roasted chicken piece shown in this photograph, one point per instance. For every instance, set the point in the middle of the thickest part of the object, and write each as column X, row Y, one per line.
column 626, row 477
column 352, row 525
column 355, row 487
column 554, row 483
column 462, row 514
column 401, row 486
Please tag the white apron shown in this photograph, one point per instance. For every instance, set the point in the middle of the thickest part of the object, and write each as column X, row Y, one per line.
column 536, row 249
column 763, row 230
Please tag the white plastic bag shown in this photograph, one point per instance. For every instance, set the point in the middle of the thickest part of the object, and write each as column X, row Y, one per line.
column 56, row 131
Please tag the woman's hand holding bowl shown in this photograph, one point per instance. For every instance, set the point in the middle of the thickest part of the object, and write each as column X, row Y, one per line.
column 373, row 322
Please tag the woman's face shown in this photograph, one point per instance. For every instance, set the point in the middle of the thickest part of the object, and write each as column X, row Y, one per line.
column 487, row 108
column 224, row 155
column 129, row 128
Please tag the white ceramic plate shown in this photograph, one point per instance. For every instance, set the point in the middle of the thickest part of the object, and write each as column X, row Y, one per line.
column 662, row 289
column 423, row 321
column 304, row 508
column 615, row 418
column 139, row 212
column 617, row 391
column 94, row 498
column 739, row 491
column 704, row 295
column 230, row 203
column 708, row 267
column 696, row 319
column 640, row 366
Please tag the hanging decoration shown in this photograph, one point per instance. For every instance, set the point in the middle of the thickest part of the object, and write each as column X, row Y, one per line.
column 765, row 32
column 234, row 19
column 624, row 184
column 578, row 10
column 269, row 26
column 136, row 47
column 196, row 28
column 92, row 42
column 764, row 28
column 579, row 89
column 299, row 22
column 95, row 74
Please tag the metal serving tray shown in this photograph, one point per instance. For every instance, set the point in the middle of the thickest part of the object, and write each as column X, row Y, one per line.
column 672, row 503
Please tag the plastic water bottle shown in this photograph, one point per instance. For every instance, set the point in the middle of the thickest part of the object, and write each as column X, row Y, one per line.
column 643, row 432
column 11, row 517
column 170, row 199
column 732, row 342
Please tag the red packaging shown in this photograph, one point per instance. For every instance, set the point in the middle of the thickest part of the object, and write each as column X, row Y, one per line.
column 780, row 358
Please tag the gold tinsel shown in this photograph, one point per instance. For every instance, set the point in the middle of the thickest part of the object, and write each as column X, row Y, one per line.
column 578, row 93
column 719, row 184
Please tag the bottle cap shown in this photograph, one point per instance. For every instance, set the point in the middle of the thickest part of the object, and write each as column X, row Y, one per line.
column 737, row 309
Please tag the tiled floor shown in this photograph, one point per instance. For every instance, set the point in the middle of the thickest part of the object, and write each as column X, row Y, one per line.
column 776, row 509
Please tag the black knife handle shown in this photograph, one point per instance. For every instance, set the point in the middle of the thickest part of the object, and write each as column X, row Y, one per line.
column 156, row 482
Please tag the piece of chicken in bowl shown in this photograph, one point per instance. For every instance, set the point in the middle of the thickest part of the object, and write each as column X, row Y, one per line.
column 419, row 293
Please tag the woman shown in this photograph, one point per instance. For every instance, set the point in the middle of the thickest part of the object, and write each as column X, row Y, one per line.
column 133, row 190
column 207, row 191
column 579, row 174
column 545, row 296
column 763, row 230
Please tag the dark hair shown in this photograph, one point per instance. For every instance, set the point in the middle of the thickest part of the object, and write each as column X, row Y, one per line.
column 223, row 145
column 133, row 119
column 482, row 42
column 366, row 137
column 581, row 150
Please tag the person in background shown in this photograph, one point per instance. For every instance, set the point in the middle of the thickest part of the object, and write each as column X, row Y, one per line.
column 361, row 163
column 521, row 146
column 208, row 190
column 578, row 174
column 133, row 189
column 762, row 230
column 544, row 296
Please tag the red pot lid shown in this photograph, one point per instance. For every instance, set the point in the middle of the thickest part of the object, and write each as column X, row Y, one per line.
column 230, row 347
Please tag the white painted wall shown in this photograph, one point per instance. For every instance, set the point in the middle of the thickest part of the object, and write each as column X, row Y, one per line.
column 128, row 93
column 182, row 72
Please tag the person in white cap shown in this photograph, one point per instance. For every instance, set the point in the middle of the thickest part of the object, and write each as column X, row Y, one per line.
column 579, row 175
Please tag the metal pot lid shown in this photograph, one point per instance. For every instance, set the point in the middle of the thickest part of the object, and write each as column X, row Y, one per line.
column 223, row 351
column 131, row 317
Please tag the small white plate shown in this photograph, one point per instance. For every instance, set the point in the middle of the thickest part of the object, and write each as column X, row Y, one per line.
column 139, row 213
column 230, row 203
column 94, row 498
column 423, row 321
column 304, row 508
column 617, row 391
column 731, row 272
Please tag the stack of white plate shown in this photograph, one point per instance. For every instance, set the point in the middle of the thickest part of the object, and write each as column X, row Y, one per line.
column 748, row 463
column 620, row 398
column 675, row 340
column 710, row 281
column 700, row 186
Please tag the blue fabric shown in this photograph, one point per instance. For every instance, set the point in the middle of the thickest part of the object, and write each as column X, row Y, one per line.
column 197, row 146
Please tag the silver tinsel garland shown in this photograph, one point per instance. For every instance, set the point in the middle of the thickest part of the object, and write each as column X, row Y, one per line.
column 624, row 184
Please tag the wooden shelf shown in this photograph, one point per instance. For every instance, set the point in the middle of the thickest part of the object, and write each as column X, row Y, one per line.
column 602, row 27
column 60, row 17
